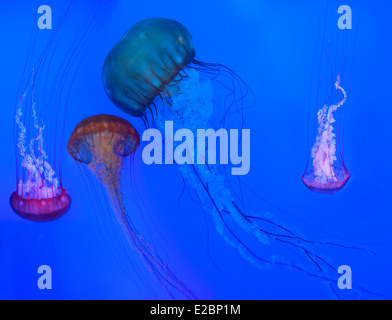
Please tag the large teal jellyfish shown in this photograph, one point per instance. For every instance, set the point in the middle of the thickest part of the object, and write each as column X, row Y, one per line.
column 153, row 70
column 148, row 58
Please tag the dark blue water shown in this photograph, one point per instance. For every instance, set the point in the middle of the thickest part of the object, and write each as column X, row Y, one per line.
column 274, row 47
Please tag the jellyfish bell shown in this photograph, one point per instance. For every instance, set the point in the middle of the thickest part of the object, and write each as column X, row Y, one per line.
column 102, row 136
column 328, row 187
column 147, row 58
column 102, row 142
column 41, row 206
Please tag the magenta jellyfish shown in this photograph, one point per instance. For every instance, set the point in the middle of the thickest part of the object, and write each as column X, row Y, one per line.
column 330, row 85
column 54, row 56
column 39, row 195
column 152, row 71
column 102, row 143
column 327, row 173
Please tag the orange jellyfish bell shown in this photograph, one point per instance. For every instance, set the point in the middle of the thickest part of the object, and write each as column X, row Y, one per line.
column 103, row 136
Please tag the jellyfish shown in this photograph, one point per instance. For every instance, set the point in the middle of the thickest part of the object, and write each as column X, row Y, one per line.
column 54, row 57
column 39, row 197
column 152, row 73
column 328, row 173
column 102, row 143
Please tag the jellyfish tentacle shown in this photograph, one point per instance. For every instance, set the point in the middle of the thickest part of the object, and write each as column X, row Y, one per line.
column 154, row 263
column 294, row 237
column 243, row 249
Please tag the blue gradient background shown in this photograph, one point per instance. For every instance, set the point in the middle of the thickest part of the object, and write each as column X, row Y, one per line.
column 271, row 45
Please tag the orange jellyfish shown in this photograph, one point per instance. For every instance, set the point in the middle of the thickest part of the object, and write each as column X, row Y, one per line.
column 102, row 142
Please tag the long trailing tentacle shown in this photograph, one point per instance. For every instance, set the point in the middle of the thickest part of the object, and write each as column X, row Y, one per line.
column 154, row 263
column 191, row 109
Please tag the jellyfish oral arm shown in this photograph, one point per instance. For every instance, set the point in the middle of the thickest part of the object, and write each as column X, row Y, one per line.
column 41, row 179
column 324, row 149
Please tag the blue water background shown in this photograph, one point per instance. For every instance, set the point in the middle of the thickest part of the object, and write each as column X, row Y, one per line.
column 271, row 44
